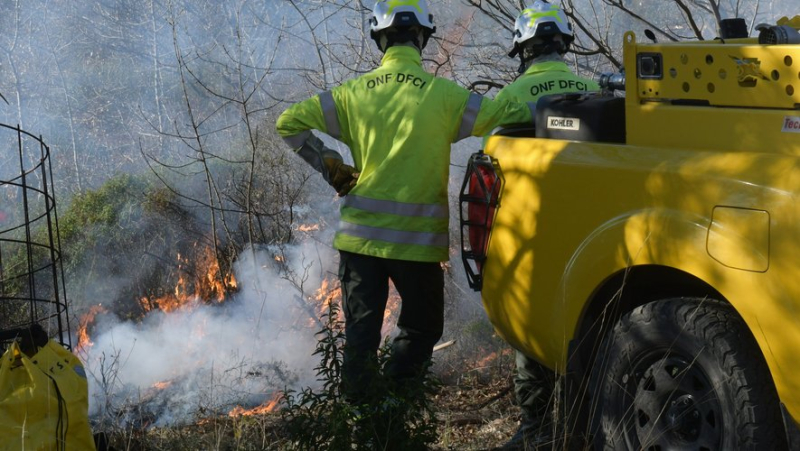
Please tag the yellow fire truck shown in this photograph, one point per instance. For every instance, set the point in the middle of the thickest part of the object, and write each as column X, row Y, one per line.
column 647, row 247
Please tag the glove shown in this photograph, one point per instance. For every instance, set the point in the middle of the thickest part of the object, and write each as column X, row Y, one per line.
column 340, row 176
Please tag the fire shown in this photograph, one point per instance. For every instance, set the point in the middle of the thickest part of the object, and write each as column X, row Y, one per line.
column 491, row 358
column 162, row 385
column 84, row 342
column 267, row 407
column 327, row 293
column 198, row 282
column 392, row 312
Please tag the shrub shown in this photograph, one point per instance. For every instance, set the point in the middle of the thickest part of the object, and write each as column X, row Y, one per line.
column 323, row 419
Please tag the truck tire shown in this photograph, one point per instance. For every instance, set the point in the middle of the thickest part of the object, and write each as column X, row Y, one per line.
column 683, row 374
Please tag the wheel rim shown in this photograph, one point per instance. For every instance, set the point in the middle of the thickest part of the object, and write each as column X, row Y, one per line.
column 674, row 407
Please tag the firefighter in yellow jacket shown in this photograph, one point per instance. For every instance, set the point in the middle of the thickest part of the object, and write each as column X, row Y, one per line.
column 399, row 122
column 542, row 35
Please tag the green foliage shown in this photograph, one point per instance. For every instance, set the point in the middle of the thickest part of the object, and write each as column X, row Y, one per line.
column 324, row 420
column 95, row 216
column 92, row 227
column 120, row 241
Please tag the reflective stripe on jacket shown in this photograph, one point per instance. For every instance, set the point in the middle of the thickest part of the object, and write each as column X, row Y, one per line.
column 399, row 122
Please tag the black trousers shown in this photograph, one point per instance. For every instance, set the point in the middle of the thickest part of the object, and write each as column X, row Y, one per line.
column 365, row 291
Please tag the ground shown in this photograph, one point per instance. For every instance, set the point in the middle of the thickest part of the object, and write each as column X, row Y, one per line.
column 475, row 408
column 477, row 412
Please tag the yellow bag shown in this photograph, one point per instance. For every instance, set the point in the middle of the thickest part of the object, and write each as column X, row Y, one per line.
column 44, row 401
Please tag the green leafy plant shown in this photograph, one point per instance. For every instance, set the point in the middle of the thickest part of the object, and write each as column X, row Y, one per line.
column 395, row 418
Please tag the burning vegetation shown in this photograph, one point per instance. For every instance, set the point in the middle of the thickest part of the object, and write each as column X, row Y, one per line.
column 199, row 281
column 208, row 341
column 175, row 340
column 265, row 408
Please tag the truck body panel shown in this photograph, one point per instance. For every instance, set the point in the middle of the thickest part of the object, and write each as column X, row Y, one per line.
column 701, row 189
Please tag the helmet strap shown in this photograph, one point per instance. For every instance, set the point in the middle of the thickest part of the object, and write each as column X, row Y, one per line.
column 530, row 52
column 390, row 37
column 522, row 66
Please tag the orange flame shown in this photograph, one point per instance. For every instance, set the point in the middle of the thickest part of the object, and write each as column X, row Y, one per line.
column 491, row 358
column 392, row 312
column 162, row 385
column 326, row 294
column 84, row 342
column 267, row 407
column 208, row 284
column 197, row 283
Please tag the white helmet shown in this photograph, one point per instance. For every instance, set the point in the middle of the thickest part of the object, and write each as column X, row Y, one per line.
column 401, row 14
column 541, row 19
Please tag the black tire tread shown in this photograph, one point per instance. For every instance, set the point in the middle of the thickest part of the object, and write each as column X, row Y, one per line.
column 758, row 426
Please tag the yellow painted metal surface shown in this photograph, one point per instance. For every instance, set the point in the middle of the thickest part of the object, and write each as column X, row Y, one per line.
column 709, row 189
column 739, row 238
column 745, row 75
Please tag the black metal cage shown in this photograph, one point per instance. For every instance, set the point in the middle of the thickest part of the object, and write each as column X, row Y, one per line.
column 32, row 291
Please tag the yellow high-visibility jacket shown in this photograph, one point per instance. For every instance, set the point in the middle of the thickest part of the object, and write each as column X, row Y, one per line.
column 540, row 79
column 399, row 122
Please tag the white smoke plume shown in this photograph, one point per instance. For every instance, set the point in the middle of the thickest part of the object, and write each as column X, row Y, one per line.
column 175, row 367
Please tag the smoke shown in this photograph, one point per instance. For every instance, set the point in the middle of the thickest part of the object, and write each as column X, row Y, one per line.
column 206, row 359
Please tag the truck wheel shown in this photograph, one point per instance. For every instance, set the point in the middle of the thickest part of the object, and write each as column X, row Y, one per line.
column 684, row 374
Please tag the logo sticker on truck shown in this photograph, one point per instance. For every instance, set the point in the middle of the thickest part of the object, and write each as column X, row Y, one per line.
column 791, row 124
column 564, row 123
